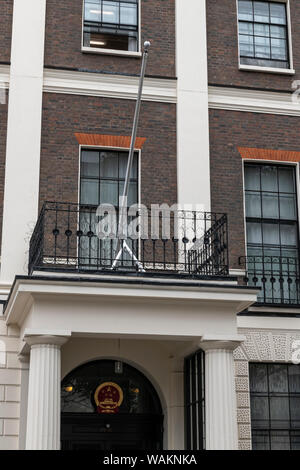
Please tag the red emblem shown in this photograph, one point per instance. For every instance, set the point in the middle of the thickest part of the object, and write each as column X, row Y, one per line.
column 108, row 397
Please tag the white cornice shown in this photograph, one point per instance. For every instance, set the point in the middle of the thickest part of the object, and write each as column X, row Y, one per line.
column 108, row 86
column 102, row 85
column 237, row 99
column 161, row 90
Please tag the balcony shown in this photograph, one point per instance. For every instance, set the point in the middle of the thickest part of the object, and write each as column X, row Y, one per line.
column 277, row 276
column 69, row 238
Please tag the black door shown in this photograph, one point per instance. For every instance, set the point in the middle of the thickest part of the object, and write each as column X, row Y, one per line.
column 84, row 431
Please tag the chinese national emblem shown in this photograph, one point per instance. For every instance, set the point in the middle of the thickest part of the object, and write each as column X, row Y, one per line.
column 108, row 397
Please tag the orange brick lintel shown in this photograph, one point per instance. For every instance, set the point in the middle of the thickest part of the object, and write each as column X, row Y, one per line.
column 267, row 154
column 100, row 140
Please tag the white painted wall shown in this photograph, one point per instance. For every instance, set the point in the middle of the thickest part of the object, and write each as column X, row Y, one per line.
column 22, row 166
column 192, row 109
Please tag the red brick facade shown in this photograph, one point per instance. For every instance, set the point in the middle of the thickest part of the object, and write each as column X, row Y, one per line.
column 65, row 115
column 64, row 30
column 223, row 57
column 5, row 30
column 228, row 131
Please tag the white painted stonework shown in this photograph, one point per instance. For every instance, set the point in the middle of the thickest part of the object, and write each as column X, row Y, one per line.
column 192, row 104
column 22, row 165
column 43, row 414
column 10, row 380
column 220, row 394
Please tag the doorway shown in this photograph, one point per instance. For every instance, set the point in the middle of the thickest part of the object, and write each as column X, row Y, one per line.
column 110, row 405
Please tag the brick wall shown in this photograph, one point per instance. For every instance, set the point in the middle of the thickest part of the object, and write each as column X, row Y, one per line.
column 10, row 379
column 5, row 29
column 228, row 131
column 223, row 49
column 63, row 115
column 64, row 31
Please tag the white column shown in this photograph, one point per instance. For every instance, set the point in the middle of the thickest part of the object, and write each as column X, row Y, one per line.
column 22, row 166
column 24, row 362
column 193, row 171
column 220, row 394
column 43, row 415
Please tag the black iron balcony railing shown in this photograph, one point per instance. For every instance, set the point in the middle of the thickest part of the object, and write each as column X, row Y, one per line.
column 69, row 237
column 277, row 276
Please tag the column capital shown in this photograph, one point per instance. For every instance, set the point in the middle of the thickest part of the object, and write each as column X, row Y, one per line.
column 33, row 340
column 228, row 342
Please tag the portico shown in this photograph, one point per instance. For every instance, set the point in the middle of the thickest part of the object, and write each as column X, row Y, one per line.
column 65, row 323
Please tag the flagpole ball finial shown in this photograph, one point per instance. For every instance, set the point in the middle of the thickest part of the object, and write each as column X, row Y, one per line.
column 147, row 45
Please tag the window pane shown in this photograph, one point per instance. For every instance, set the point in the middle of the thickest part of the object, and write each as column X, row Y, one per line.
column 288, row 208
column 128, row 14
column 252, row 177
column 89, row 192
column 269, row 178
column 253, row 205
column 278, row 378
column 286, row 180
column 295, row 410
column 246, row 28
column 288, row 234
column 258, row 377
column 294, row 378
column 261, row 29
column 260, row 440
column 259, row 411
column 262, row 47
column 270, row 206
column 278, row 32
column 110, row 12
column 245, row 10
column 254, row 233
column 271, row 234
column 246, row 45
column 109, row 192
column 280, row 440
column 132, row 192
column 92, row 11
column 109, row 164
column 261, row 12
column 123, row 160
column 279, row 49
column 295, row 440
column 90, row 164
column 278, row 14
column 279, row 412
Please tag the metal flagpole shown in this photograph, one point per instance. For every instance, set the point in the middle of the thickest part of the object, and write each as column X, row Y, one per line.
column 123, row 199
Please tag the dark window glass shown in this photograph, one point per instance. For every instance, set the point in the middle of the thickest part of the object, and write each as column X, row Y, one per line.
column 272, row 232
column 275, row 406
column 263, row 36
column 102, row 179
column 194, row 401
column 78, row 388
column 111, row 24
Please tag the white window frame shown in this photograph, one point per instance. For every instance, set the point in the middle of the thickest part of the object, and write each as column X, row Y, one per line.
column 96, row 50
column 257, row 68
